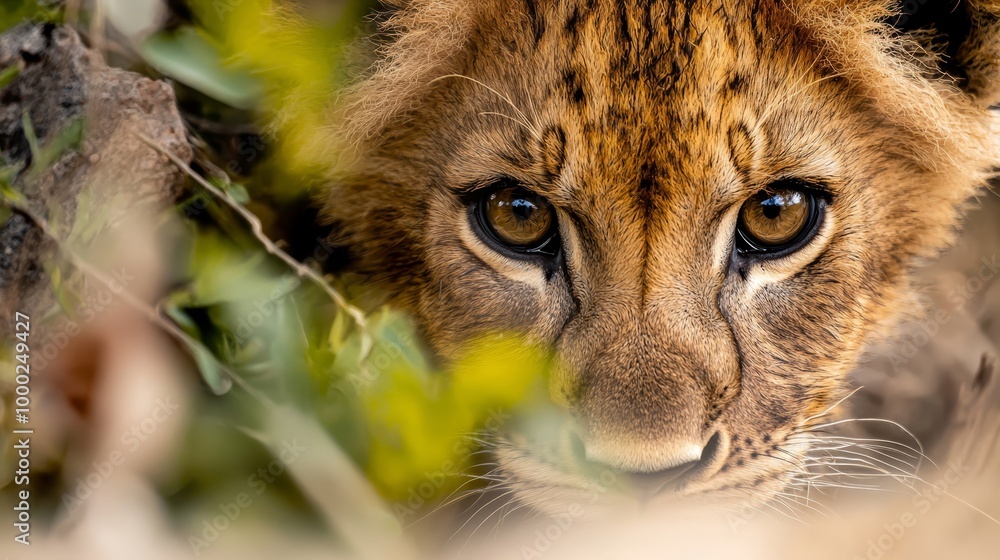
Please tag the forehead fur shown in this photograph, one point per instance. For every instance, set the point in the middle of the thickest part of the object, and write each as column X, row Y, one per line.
column 428, row 39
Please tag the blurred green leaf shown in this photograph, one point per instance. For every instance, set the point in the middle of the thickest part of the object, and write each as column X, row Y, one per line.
column 416, row 416
column 9, row 74
column 237, row 191
column 67, row 298
column 299, row 62
column 42, row 157
column 191, row 57
column 13, row 12
column 8, row 192
column 29, row 134
column 69, row 138
column 207, row 363
column 223, row 273
column 333, row 484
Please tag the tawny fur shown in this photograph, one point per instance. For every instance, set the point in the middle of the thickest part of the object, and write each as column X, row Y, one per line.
column 647, row 124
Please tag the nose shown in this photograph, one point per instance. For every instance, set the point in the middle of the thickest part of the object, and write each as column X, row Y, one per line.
column 693, row 462
column 710, row 457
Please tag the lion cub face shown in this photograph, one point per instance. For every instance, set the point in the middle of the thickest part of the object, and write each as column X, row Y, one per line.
column 706, row 208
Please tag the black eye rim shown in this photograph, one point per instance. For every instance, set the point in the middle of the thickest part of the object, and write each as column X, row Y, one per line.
column 548, row 248
column 818, row 198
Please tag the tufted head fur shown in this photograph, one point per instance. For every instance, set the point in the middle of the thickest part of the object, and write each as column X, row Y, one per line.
column 647, row 125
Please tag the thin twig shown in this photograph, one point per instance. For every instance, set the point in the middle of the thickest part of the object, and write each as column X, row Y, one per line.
column 258, row 231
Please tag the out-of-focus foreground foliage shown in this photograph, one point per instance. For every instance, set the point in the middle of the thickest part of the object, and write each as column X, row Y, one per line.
column 13, row 12
column 365, row 381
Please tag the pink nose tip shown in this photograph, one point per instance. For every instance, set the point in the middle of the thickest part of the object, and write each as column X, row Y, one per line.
column 671, row 470
column 642, row 456
column 647, row 485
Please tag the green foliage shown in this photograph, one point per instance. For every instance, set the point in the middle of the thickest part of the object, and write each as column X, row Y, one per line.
column 13, row 12
column 394, row 414
column 280, row 356
column 8, row 74
column 420, row 419
column 266, row 54
column 190, row 56
column 42, row 157
column 66, row 296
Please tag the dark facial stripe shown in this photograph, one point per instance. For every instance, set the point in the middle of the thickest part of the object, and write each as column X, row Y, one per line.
column 574, row 86
column 553, row 152
column 537, row 23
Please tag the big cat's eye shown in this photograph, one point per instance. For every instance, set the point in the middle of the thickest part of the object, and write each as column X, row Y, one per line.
column 779, row 219
column 517, row 219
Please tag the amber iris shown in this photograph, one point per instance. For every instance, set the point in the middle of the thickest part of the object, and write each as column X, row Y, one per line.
column 518, row 218
column 775, row 219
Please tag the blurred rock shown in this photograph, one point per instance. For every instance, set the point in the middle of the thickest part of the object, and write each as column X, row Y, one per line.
column 61, row 83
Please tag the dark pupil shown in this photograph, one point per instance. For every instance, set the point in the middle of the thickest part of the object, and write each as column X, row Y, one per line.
column 522, row 209
column 771, row 207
